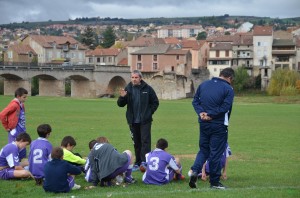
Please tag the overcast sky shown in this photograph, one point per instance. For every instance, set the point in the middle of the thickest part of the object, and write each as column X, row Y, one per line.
column 44, row 10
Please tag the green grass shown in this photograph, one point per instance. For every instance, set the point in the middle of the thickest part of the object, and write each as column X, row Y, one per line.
column 264, row 136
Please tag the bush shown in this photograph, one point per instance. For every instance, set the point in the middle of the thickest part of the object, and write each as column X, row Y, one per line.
column 283, row 81
column 289, row 91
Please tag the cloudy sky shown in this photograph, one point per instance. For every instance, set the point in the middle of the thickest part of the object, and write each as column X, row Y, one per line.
column 44, row 10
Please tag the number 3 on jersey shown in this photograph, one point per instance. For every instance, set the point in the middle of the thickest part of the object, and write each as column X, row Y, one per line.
column 153, row 165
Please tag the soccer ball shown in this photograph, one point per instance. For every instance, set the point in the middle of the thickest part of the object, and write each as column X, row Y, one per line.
column 142, row 169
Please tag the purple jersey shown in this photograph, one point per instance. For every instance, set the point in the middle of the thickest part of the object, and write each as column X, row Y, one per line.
column 226, row 154
column 9, row 155
column 160, row 167
column 40, row 150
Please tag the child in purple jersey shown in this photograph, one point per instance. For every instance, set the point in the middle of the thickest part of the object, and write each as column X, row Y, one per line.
column 224, row 164
column 162, row 167
column 87, row 167
column 13, row 117
column 40, row 151
column 10, row 166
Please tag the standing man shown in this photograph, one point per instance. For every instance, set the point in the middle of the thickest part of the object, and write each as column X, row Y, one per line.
column 213, row 103
column 142, row 102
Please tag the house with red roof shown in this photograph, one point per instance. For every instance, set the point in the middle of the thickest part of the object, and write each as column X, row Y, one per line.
column 54, row 49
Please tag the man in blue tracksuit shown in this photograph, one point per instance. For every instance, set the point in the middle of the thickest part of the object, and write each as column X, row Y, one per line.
column 213, row 103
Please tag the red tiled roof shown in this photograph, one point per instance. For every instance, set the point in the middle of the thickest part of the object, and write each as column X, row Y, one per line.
column 22, row 49
column 221, row 38
column 103, row 52
column 192, row 44
column 171, row 40
column 48, row 41
column 176, row 52
column 222, row 46
column 263, row 31
column 124, row 61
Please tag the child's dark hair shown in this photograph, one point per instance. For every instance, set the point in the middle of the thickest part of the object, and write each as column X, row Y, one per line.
column 162, row 144
column 20, row 92
column 43, row 130
column 57, row 153
column 23, row 137
column 68, row 140
column 92, row 143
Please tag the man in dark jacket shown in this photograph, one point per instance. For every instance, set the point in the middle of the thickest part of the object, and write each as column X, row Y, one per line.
column 142, row 102
column 213, row 103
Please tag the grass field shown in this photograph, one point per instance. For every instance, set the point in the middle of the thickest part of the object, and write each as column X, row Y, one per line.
column 264, row 136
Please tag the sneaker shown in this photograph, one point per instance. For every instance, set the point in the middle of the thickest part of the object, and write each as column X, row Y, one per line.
column 218, row 186
column 129, row 180
column 179, row 177
column 76, row 187
column 135, row 168
column 193, row 180
column 143, row 167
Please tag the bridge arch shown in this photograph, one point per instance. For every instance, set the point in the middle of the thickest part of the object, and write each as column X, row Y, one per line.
column 114, row 85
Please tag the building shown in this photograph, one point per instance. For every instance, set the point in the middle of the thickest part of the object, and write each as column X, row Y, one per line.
column 184, row 31
column 56, row 49
column 20, row 53
column 111, row 56
column 262, row 53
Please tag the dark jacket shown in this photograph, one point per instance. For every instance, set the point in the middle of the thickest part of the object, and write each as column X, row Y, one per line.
column 215, row 97
column 104, row 160
column 56, row 175
column 148, row 103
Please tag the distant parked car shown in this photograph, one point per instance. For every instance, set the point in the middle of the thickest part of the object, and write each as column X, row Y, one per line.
column 66, row 64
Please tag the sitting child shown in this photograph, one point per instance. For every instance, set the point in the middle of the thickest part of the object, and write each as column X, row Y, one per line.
column 224, row 164
column 59, row 173
column 107, row 163
column 40, row 153
column 10, row 165
column 87, row 167
column 67, row 144
column 161, row 166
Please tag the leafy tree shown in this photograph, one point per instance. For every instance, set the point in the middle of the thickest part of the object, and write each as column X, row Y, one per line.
column 241, row 79
column 89, row 38
column 227, row 33
column 109, row 37
column 201, row 36
column 35, row 86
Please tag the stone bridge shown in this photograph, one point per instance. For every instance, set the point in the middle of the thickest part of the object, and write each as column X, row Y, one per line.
column 86, row 81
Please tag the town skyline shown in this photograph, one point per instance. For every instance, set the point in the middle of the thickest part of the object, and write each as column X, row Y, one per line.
column 18, row 11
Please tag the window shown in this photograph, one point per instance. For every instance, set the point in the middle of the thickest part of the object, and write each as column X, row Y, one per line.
column 29, row 54
column 266, row 72
column 110, row 59
column 91, row 60
column 65, row 47
column 98, row 60
column 139, row 57
column 154, row 66
column 58, row 55
column 227, row 53
column 172, row 68
column 177, row 57
column 154, row 57
column 261, row 63
column 139, row 66
column 258, row 44
column 217, row 53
